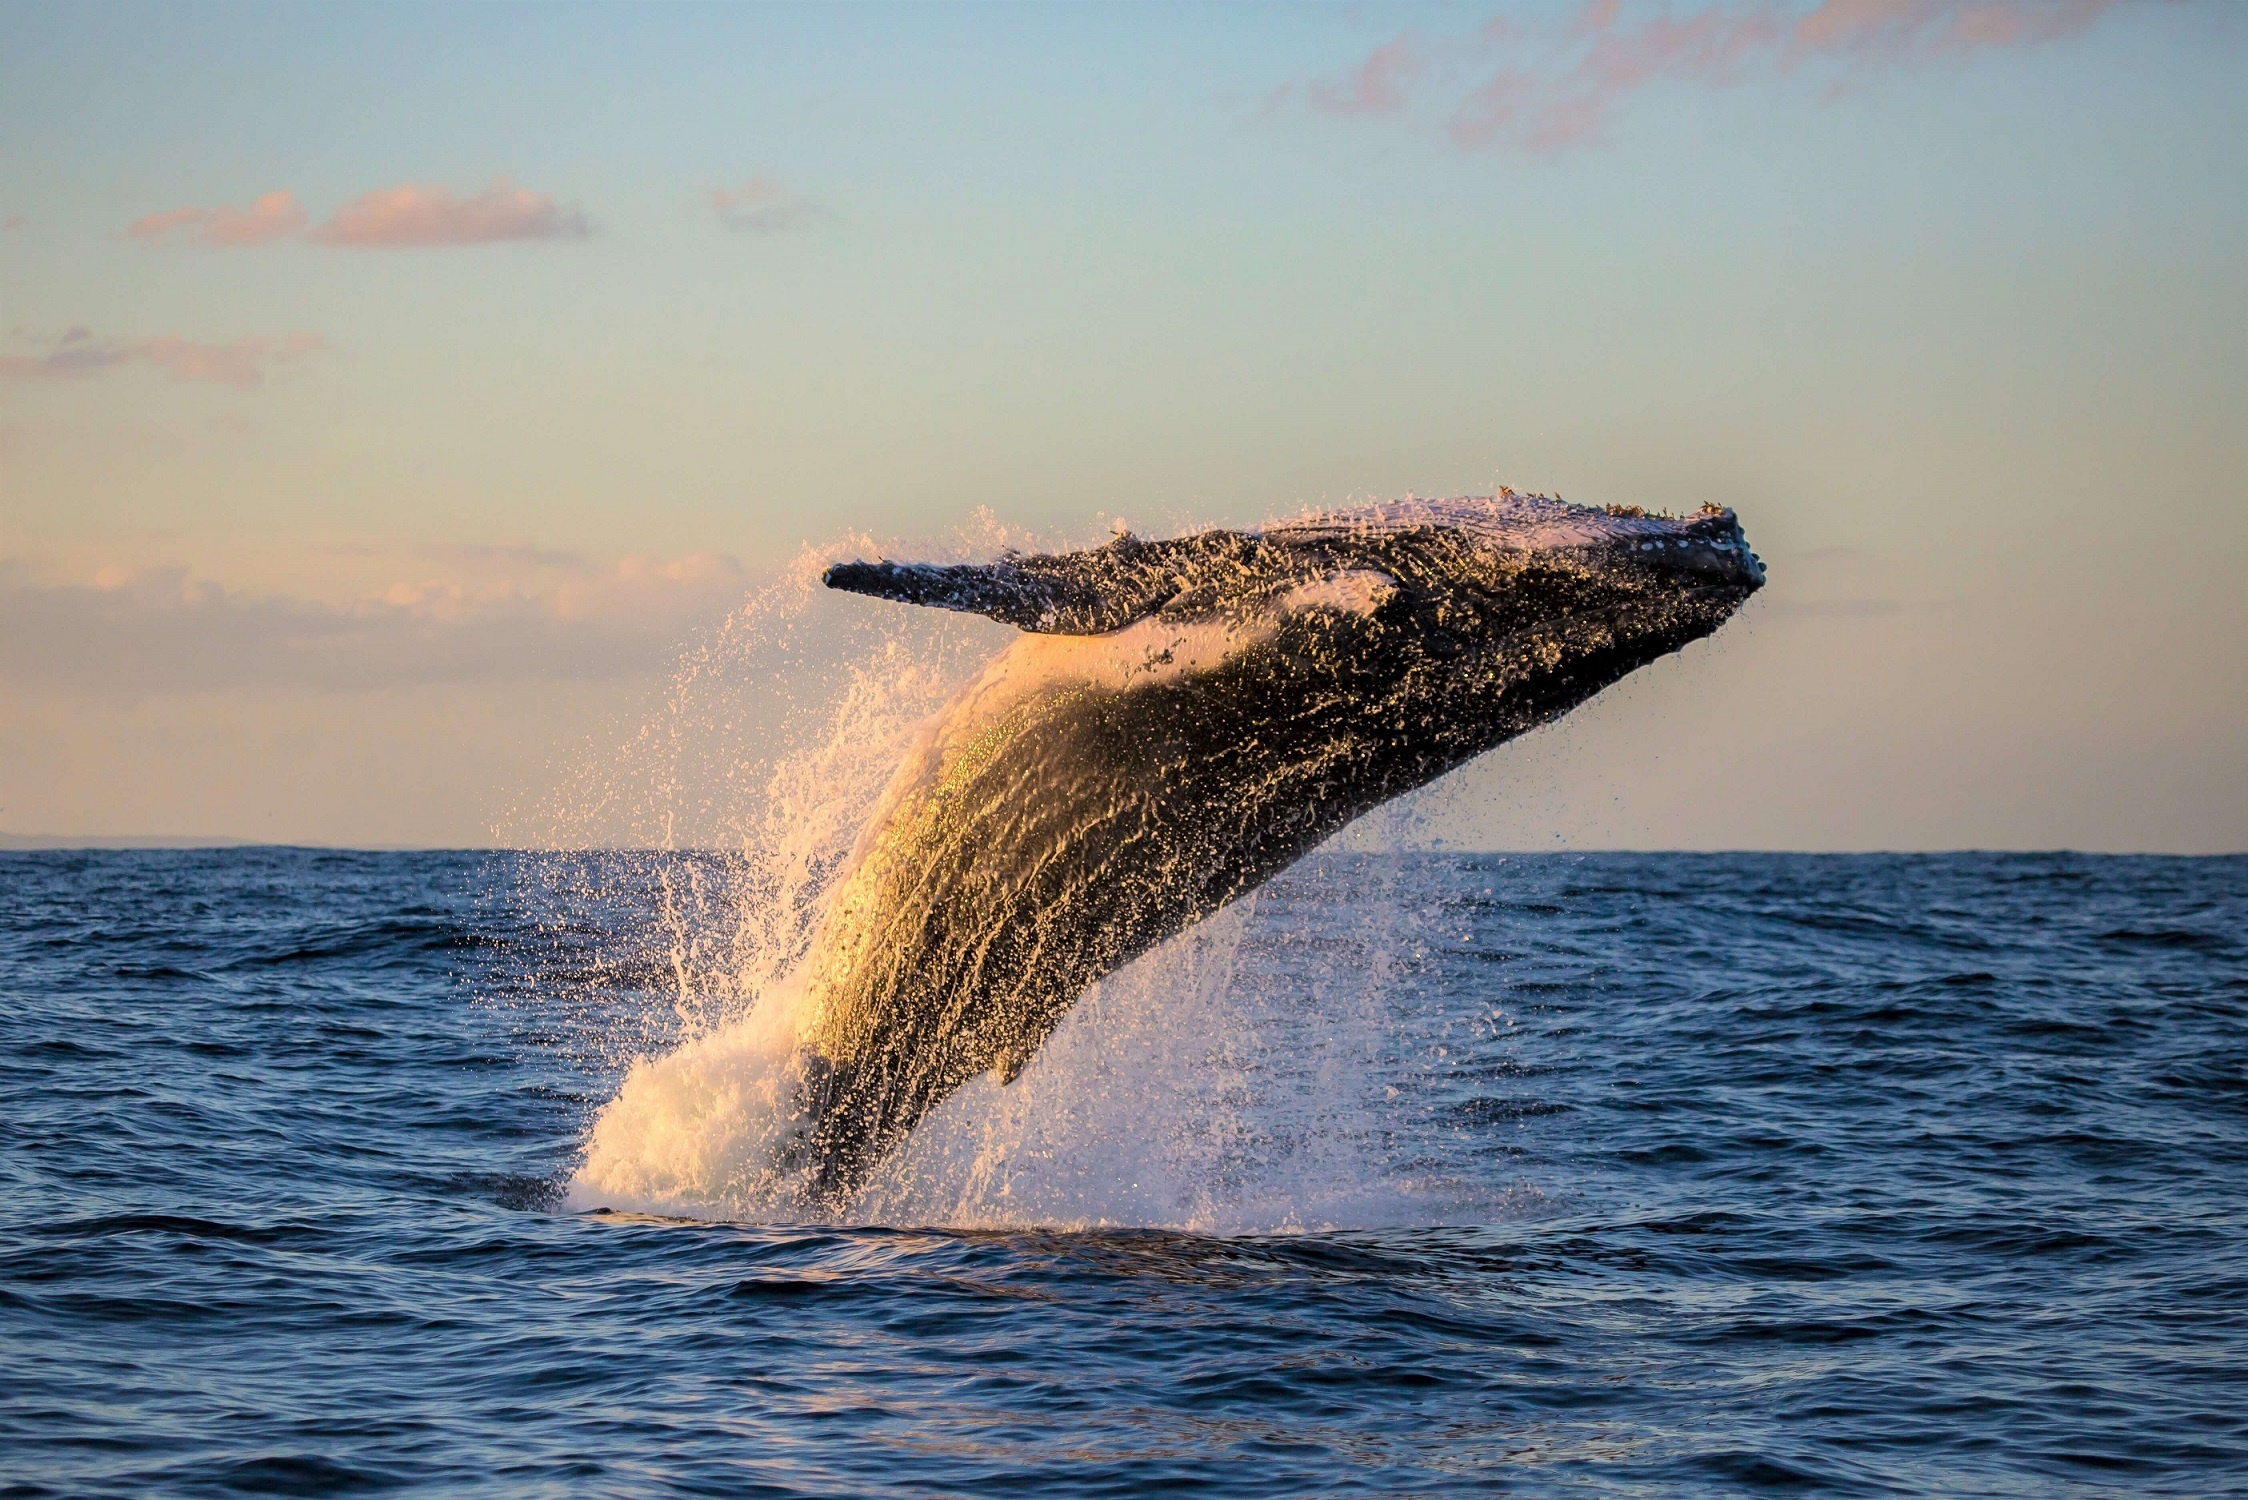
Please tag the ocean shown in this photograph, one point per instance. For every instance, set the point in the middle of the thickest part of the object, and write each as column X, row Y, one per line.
column 1420, row 1174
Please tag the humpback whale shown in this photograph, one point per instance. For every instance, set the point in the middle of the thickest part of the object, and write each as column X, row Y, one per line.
column 1180, row 720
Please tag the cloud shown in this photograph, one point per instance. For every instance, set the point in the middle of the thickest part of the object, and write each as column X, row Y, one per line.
column 1907, row 28
column 763, row 206
column 241, row 364
column 13, row 222
column 137, row 631
column 76, row 353
column 1375, row 87
column 510, row 557
column 1546, row 89
column 273, row 216
column 414, row 216
column 405, row 217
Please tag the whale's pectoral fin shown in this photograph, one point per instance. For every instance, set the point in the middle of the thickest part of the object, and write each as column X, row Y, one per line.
column 1073, row 593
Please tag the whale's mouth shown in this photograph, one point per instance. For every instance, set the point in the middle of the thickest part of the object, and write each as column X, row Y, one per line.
column 1709, row 549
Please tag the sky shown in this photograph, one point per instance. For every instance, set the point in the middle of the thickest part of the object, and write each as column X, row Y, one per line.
column 390, row 394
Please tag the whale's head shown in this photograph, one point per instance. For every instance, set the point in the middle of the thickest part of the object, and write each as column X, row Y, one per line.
column 1496, row 569
column 1479, row 538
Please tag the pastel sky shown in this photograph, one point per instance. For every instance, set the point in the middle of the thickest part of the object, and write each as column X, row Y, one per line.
column 389, row 392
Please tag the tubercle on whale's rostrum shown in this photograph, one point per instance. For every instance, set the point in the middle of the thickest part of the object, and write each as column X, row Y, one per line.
column 1070, row 813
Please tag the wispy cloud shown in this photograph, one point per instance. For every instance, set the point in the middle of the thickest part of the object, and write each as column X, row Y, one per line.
column 242, row 364
column 510, row 557
column 1376, row 86
column 13, row 222
column 410, row 216
column 415, row 216
column 273, row 216
column 1545, row 89
column 1903, row 28
column 75, row 354
column 763, row 205
column 135, row 631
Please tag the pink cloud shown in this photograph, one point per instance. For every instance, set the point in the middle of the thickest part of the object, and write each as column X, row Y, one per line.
column 1924, row 27
column 241, row 364
column 763, row 206
column 699, row 583
column 509, row 557
column 415, row 216
column 13, row 221
column 157, row 225
column 1375, row 87
column 1544, row 90
column 1617, row 60
column 273, row 216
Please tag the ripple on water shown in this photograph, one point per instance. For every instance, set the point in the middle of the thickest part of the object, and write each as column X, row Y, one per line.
column 1591, row 1174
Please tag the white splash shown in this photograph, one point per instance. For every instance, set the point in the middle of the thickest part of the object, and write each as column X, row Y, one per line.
column 1180, row 1093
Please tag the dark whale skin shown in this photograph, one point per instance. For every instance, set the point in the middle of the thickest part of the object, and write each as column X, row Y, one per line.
column 1230, row 701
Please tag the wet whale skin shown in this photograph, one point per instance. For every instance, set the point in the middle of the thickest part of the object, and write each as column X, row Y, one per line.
column 1181, row 720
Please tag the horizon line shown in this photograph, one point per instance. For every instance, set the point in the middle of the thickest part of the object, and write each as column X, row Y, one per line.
column 36, row 843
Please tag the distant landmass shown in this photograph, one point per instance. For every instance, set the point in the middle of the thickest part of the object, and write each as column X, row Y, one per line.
column 117, row 841
column 31, row 841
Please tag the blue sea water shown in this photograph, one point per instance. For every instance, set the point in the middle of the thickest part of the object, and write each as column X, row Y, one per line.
column 1681, row 1175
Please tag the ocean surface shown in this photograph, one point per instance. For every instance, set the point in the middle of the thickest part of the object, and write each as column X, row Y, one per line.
column 1427, row 1174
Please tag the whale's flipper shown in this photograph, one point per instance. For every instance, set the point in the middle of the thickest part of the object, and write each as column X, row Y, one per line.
column 1072, row 593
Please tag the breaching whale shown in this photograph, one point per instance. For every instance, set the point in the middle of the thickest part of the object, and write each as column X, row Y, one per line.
column 1179, row 721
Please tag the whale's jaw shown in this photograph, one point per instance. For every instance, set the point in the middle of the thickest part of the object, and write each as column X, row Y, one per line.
column 1181, row 720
